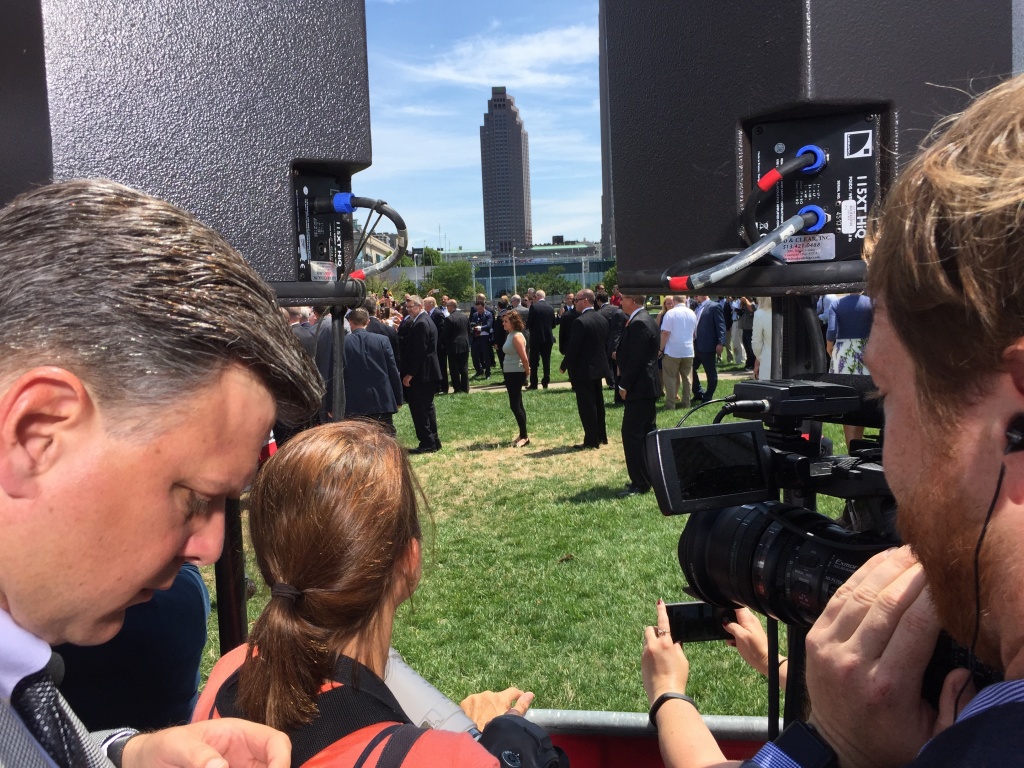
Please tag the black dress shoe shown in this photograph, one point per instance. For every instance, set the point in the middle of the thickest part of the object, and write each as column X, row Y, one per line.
column 585, row 447
column 532, row 386
column 424, row 449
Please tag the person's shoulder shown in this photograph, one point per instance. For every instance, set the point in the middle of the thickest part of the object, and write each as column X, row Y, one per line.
column 991, row 737
column 445, row 748
column 225, row 667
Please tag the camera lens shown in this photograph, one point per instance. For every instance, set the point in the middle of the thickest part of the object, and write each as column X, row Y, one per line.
column 780, row 560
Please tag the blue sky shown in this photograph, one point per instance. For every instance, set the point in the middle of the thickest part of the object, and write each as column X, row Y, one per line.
column 432, row 65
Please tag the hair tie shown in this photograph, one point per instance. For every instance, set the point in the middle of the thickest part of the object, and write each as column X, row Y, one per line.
column 287, row 591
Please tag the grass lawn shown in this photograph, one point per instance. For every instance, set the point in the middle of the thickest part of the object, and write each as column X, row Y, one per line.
column 536, row 573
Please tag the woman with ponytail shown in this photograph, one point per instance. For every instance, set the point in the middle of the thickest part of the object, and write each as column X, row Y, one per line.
column 334, row 518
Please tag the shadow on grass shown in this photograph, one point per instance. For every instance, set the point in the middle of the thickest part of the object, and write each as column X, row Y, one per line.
column 482, row 446
column 597, row 493
column 547, row 453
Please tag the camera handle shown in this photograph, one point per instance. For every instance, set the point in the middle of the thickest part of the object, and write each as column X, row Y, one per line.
column 773, row 678
column 796, row 691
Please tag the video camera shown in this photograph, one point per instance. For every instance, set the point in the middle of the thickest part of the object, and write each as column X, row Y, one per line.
column 743, row 546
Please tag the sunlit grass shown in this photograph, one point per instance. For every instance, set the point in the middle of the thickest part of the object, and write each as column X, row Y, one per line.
column 537, row 574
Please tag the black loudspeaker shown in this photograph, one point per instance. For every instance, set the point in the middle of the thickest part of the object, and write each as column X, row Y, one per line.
column 701, row 98
column 229, row 109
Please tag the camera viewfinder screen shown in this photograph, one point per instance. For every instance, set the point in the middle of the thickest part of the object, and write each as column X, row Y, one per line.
column 710, row 466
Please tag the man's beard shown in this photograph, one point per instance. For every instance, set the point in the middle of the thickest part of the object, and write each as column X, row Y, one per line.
column 944, row 536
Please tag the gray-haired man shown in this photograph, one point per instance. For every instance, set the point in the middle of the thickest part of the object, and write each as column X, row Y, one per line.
column 126, row 419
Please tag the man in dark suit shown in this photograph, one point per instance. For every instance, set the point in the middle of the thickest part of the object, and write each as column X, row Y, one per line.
column 616, row 322
column 516, row 303
column 637, row 360
column 707, row 345
column 481, row 321
column 302, row 332
column 420, row 374
column 378, row 326
column 283, row 432
column 564, row 322
column 540, row 324
column 323, row 332
column 498, row 332
column 373, row 386
column 437, row 316
column 586, row 360
column 456, row 344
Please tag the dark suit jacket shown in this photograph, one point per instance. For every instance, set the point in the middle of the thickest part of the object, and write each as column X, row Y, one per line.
column 381, row 328
column 372, row 382
column 710, row 328
column 565, row 329
column 484, row 319
column 587, row 355
column 438, row 317
column 616, row 322
column 637, row 357
column 498, row 332
column 306, row 338
column 419, row 350
column 323, row 332
column 455, row 332
column 540, row 322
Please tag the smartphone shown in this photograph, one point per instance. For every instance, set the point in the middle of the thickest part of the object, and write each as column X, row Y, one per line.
column 698, row 622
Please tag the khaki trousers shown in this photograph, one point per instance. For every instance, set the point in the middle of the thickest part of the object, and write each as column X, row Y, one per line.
column 676, row 371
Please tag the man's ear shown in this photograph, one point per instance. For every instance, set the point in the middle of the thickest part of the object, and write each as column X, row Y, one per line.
column 1013, row 364
column 36, row 412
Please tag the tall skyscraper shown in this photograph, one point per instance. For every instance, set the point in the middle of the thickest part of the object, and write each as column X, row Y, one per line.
column 505, row 163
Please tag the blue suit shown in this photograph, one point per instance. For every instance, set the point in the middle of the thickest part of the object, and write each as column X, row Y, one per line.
column 373, row 387
column 710, row 334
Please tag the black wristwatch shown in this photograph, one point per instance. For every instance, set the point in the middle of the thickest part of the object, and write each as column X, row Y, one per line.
column 803, row 745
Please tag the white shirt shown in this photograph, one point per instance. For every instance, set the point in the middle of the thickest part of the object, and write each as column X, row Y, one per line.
column 681, row 323
column 21, row 654
column 761, row 342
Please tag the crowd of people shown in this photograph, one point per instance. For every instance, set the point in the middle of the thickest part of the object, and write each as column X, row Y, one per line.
column 128, row 418
column 429, row 351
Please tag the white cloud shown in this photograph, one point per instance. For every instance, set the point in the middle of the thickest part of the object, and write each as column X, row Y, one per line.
column 551, row 59
column 404, row 148
column 563, row 147
column 574, row 217
column 418, row 110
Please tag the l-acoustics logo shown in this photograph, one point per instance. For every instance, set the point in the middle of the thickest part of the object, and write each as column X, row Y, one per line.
column 857, row 144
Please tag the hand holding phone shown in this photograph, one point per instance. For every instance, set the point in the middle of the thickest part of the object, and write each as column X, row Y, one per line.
column 697, row 622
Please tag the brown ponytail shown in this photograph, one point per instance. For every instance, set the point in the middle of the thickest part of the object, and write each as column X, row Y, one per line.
column 331, row 514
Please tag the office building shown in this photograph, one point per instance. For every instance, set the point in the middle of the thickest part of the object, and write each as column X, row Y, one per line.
column 505, row 165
